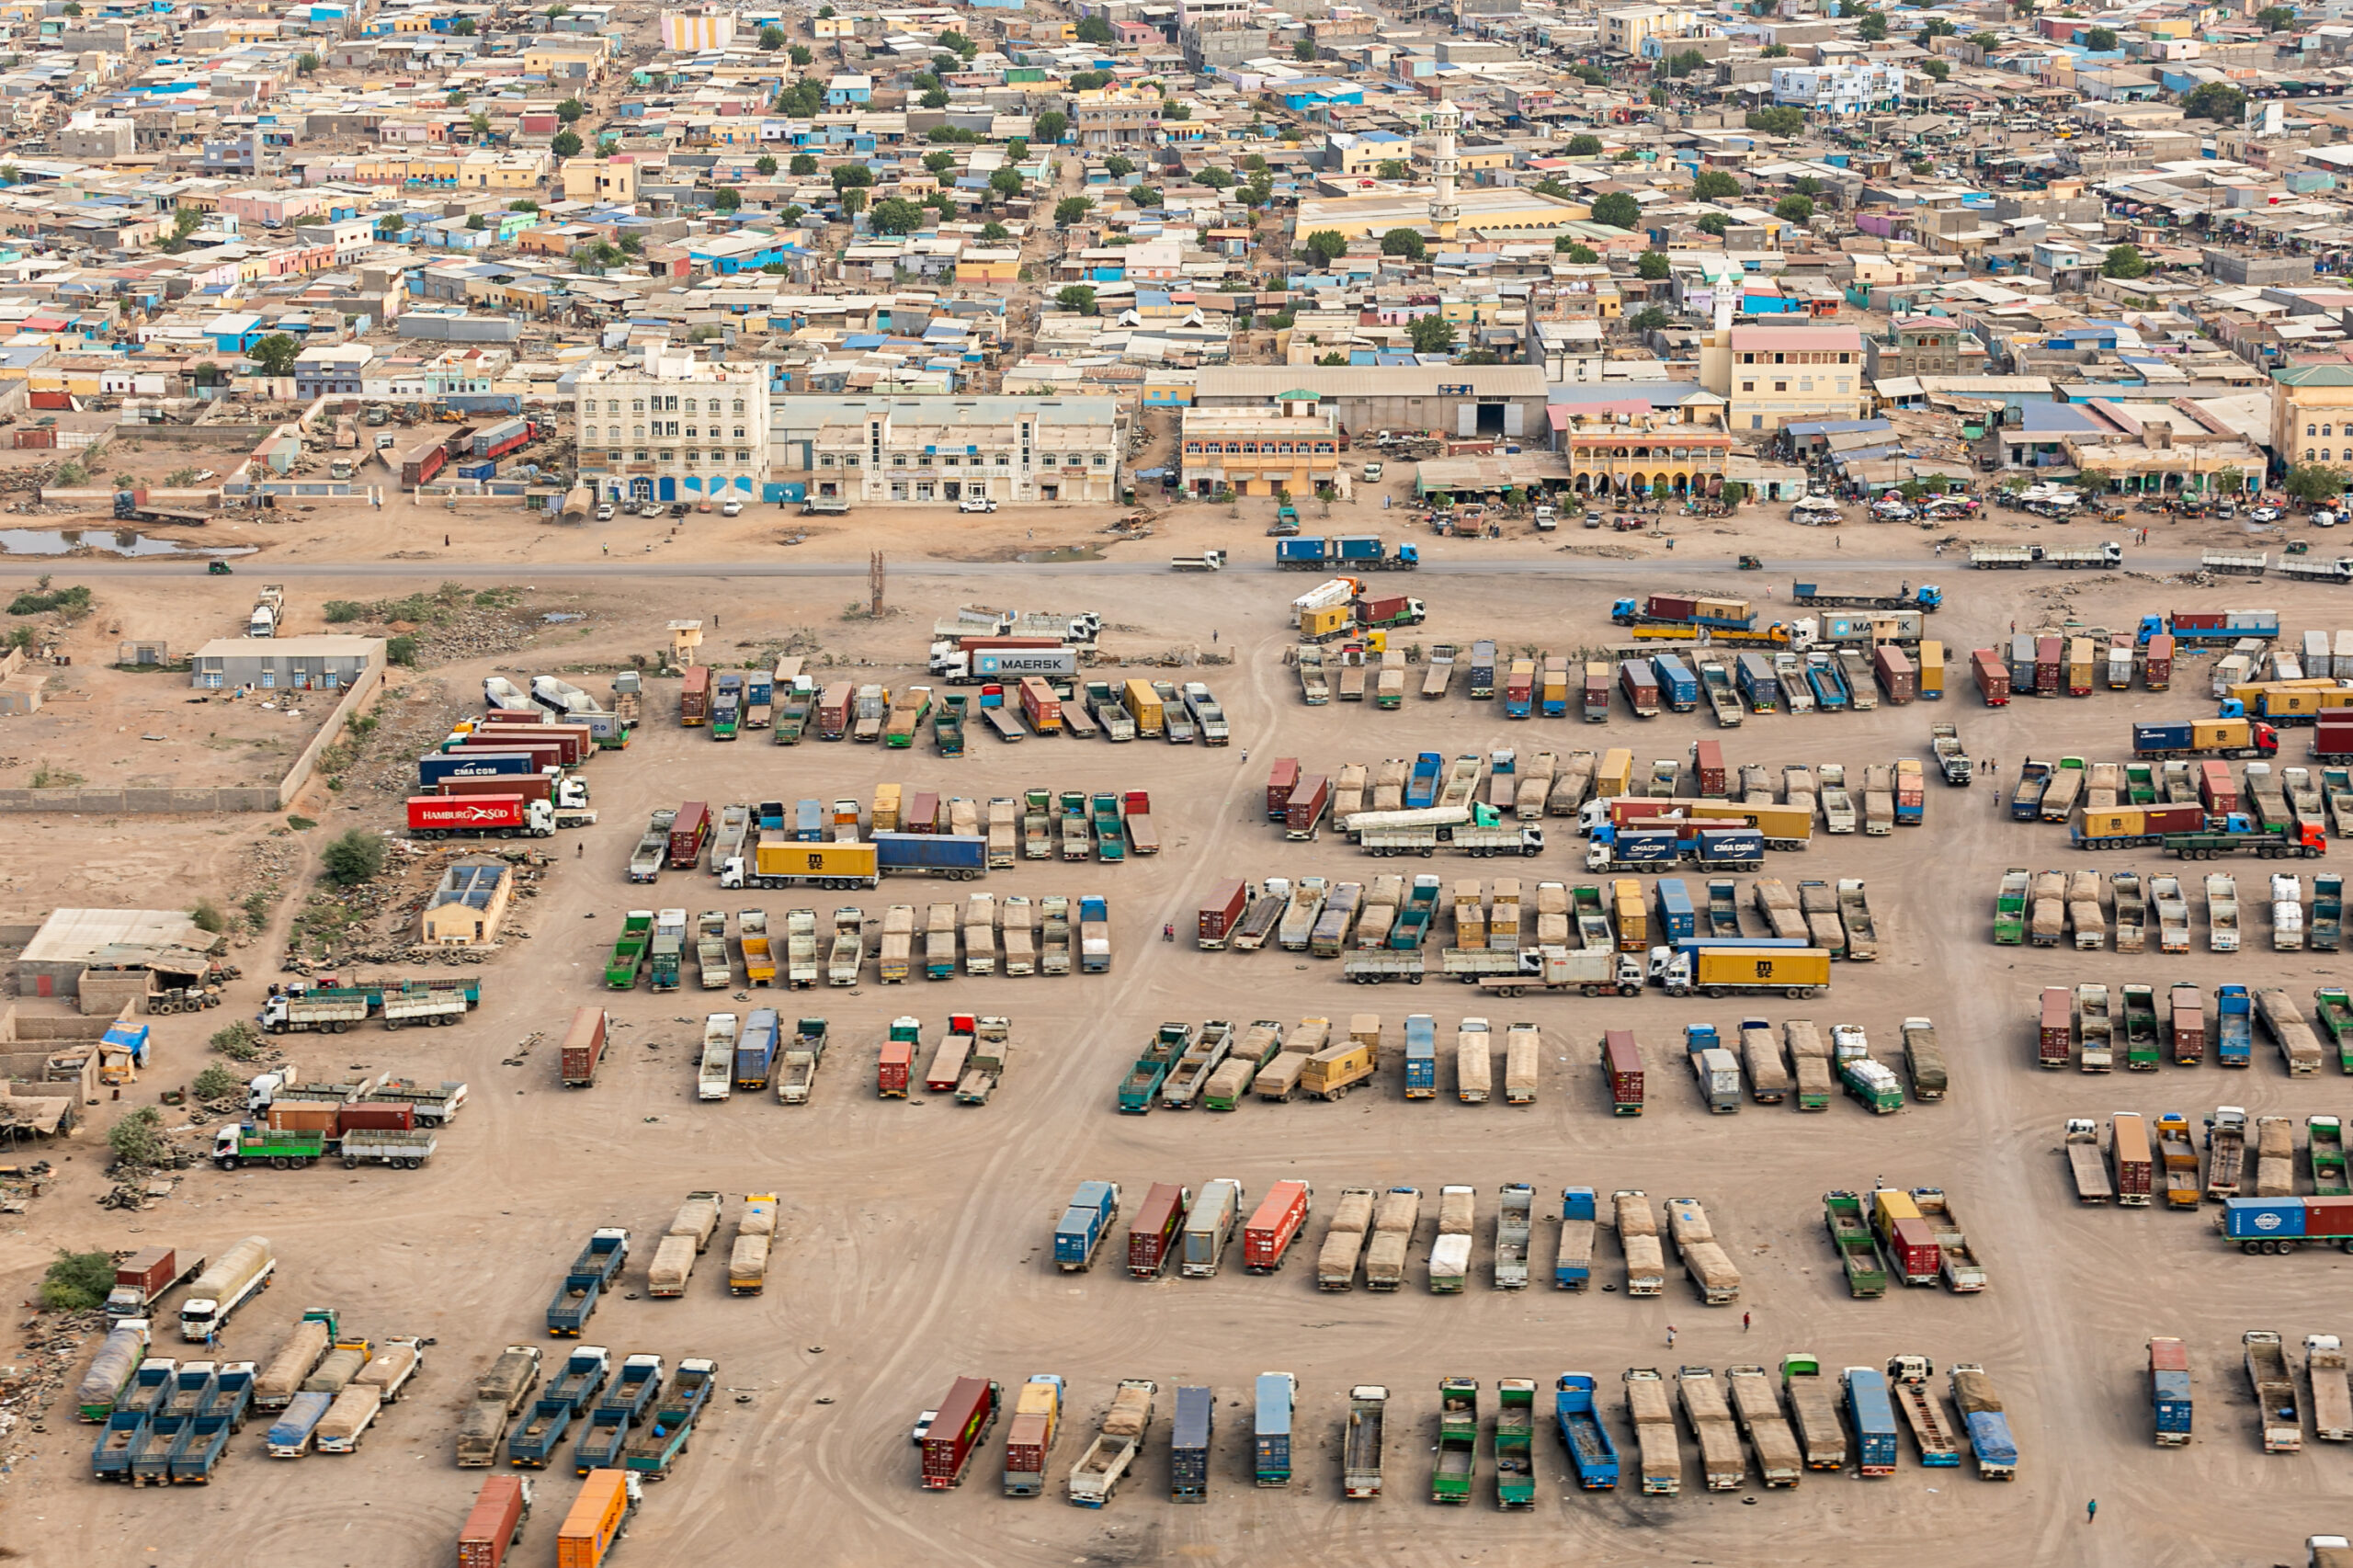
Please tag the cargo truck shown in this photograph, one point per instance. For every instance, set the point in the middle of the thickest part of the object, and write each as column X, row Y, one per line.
column 1396, row 1215
column 1092, row 1211
column 1592, row 1456
column 2170, row 1402
column 2332, row 1398
column 141, row 1280
column 598, row 1517
column 1514, row 1211
column 1850, row 1237
column 114, row 1372
column 1457, row 1440
column 1721, row 1462
column 239, row 1274
column 1271, row 1429
column 2276, row 1413
column 1208, row 1226
column 1758, row 1413
column 1572, row 1260
column 1361, row 1442
column 1660, row 1455
column 1911, row 1393
column 1873, row 1412
column 1117, row 1444
column 591, row 1274
column 1029, row 1438
column 2087, row 1162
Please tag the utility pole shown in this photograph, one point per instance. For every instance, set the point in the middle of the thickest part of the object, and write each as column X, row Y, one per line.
column 874, row 584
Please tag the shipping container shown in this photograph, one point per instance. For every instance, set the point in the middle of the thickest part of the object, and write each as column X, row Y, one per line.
column 1268, row 1236
column 494, row 1523
column 1220, row 913
column 1151, row 1236
column 584, row 1047
column 1281, row 779
column 1623, row 1063
column 599, row 1514
column 1932, row 671
column 963, row 1422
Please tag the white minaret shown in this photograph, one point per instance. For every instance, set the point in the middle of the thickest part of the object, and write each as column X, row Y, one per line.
column 1443, row 122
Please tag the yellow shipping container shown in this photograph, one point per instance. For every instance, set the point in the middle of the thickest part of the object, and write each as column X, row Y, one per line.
column 1317, row 625
column 886, row 808
column 2125, row 822
column 826, row 865
column 1800, row 970
column 2079, row 665
column 1890, row 1204
column 1630, row 913
column 1330, row 1071
column 1932, row 669
column 1143, row 704
column 1615, row 776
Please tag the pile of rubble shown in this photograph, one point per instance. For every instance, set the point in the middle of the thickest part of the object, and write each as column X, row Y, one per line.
column 55, row 1343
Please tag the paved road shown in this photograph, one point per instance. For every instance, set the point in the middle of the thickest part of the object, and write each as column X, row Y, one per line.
column 1648, row 567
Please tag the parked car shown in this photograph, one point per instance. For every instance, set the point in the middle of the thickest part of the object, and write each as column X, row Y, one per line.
column 730, row 510
column 923, row 1426
column 976, row 504
column 679, row 509
column 605, row 513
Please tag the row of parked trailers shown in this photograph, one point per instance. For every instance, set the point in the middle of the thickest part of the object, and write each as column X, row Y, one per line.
column 2088, row 1026
column 1804, row 1420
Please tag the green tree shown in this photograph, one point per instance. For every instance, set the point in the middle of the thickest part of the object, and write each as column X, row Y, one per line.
column 1774, row 52
column 78, row 1281
column 895, row 215
column 1777, row 122
column 799, row 56
column 2100, row 40
column 356, row 857
column 633, row 245
column 1936, row 70
column 1650, row 318
column 1714, row 185
column 479, row 123
column 1214, row 178
column 2277, row 18
column 2314, row 482
column 2217, row 101
column 217, row 1082
column 853, row 201
column 939, row 163
column 1683, row 65
column 1794, row 208
column 1181, row 112
column 456, row 99
column 1119, row 167
column 1325, row 245
column 726, row 198
column 394, row 223
column 1986, row 42
column 803, row 164
column 1072, row 210
column 1873, row 28
column 772, row 36
column 307, row 64
column 853, row 177
column 1431, row 334
column 1935, row 26
column 791, row 213
column 559, row 9
column 1584, row 146
column 1077, row 297
column 138, row 1140
column 276, row 354
column 1390, row 169
column 936, row 99
column 474, row 221
column 1005, row 182
column 1407, row 243
column 1145, row 196
column 2125, row 261
column 1094, row 29
column 992, row 233
column 463, row 27
column 571, row 110
column 1303, row 50
column 1619, row 211
column 1651, row 265
column 1335, row 357
column 1087, row 81
column 1567, row 247
column 1922, row 166
column 1049, row 126
column 1713, row 223
column 765, row 167
column 567, row 144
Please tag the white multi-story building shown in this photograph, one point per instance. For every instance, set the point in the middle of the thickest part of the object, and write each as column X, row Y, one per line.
column 1847, row 88
column 919, row 451
column 673, row 429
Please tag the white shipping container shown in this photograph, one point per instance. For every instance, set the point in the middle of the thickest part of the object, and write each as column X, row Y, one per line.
column 2316, row 655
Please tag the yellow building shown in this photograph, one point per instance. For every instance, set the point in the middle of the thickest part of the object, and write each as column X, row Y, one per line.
column 2311, row 413
column 993, row 266
column 600, row 179
column 1484, row 209
column 693, row 32
column 1294, row 445
column 503, row 171
column 1770, row 376
column 575, row 57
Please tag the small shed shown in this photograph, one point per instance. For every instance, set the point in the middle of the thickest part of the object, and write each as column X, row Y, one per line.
column 466, row 910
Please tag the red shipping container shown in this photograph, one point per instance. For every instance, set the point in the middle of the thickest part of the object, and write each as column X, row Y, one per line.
column 1280, row 782
column 2333, row 738
column 467, row 813
column 1993, row 678
column 897, row 1064
column 1623, row 1063
column 584, row 1047
column 1268, row 1236
column 1913, row 1247
column 965, row 1416
column 575, row 740
column 688, row 831
column 1306, row 805
column 1386, row 608
column 1896, row 674
column 545, row 752
column 2056, row 1043
column 377, row 1115
column 1220, row 914
column 2197, row 620
column 2156, row 662
column 1708, row 761
column 2328, row 1217
column 2172, row 819
column 1040, row 707
column 493, row 1523
column 922, row 814
column 508, row 721
column 2217, row 788
column 833, row 710
column 2189, row 1010
column 1152, row 1237
column 530, row 785
column 1671, row 606
column 2050, row 666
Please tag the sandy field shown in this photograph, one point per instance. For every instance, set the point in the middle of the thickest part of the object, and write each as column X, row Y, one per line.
column 917, row 1235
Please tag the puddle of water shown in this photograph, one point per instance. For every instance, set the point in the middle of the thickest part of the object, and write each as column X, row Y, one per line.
column 1063, row 553
column 114, row 541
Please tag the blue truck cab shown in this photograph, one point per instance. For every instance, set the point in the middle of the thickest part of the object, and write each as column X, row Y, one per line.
column 2234, row 1026
column 1576, row 1204
column 1591, row 1453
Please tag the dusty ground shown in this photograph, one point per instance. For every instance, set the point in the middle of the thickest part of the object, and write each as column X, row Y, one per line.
column 917, row 1234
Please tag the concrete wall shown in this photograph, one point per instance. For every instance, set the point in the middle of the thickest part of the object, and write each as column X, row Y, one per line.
column 356, row 698
column 111, row 993
column 16, row 1030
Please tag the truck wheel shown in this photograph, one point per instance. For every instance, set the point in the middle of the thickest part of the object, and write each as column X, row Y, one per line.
column 351, row 1162
column 1413, row 979
column 229, row 1163
column 2289, row 1247
column 1429, row 850
column 279, row 1161
column 1715, row 993
column 392, row 1023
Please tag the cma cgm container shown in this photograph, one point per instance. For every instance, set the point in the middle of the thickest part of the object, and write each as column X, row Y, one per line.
column 1266, row 1238
column 436, row 767
column 963, row 1422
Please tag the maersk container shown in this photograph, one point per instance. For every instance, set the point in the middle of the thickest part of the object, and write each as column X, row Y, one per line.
column 1271, row 1451
column 1676, row 684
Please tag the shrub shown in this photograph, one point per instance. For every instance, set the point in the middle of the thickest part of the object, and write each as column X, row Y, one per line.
column 78, row 1281
column 216, row 1083
column 138, row 1140
column 356, row 857
column 208, row 917
column 238, row 1042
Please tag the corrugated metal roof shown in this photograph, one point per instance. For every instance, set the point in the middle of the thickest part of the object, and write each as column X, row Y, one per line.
column 1270, row 382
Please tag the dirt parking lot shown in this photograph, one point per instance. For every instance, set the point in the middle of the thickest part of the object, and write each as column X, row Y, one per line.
column 916, row 1234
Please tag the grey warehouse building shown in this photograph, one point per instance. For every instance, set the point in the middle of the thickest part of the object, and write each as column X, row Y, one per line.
column 286, row 663
column 1503, row 401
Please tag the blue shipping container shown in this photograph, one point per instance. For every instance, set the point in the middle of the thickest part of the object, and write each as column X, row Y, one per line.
column 1577, row 1203
column 472, row 763
column 2169, row 1393
column 2267, row 1219
column 1676, row 916
column 1874, row 1419
column 931, row 851
column 1678, row 685
column 1272, row 1449
column 1421, row 1057
column 1188, row 1448
column 1730, row 846
column 809, row 821
column 1092, row 1209
column 755, row 1050
column 1990, row 1440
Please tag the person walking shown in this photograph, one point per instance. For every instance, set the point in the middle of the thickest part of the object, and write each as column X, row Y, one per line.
column 1670, row 1337
column 2091, row 1510
column 1744, row 1322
